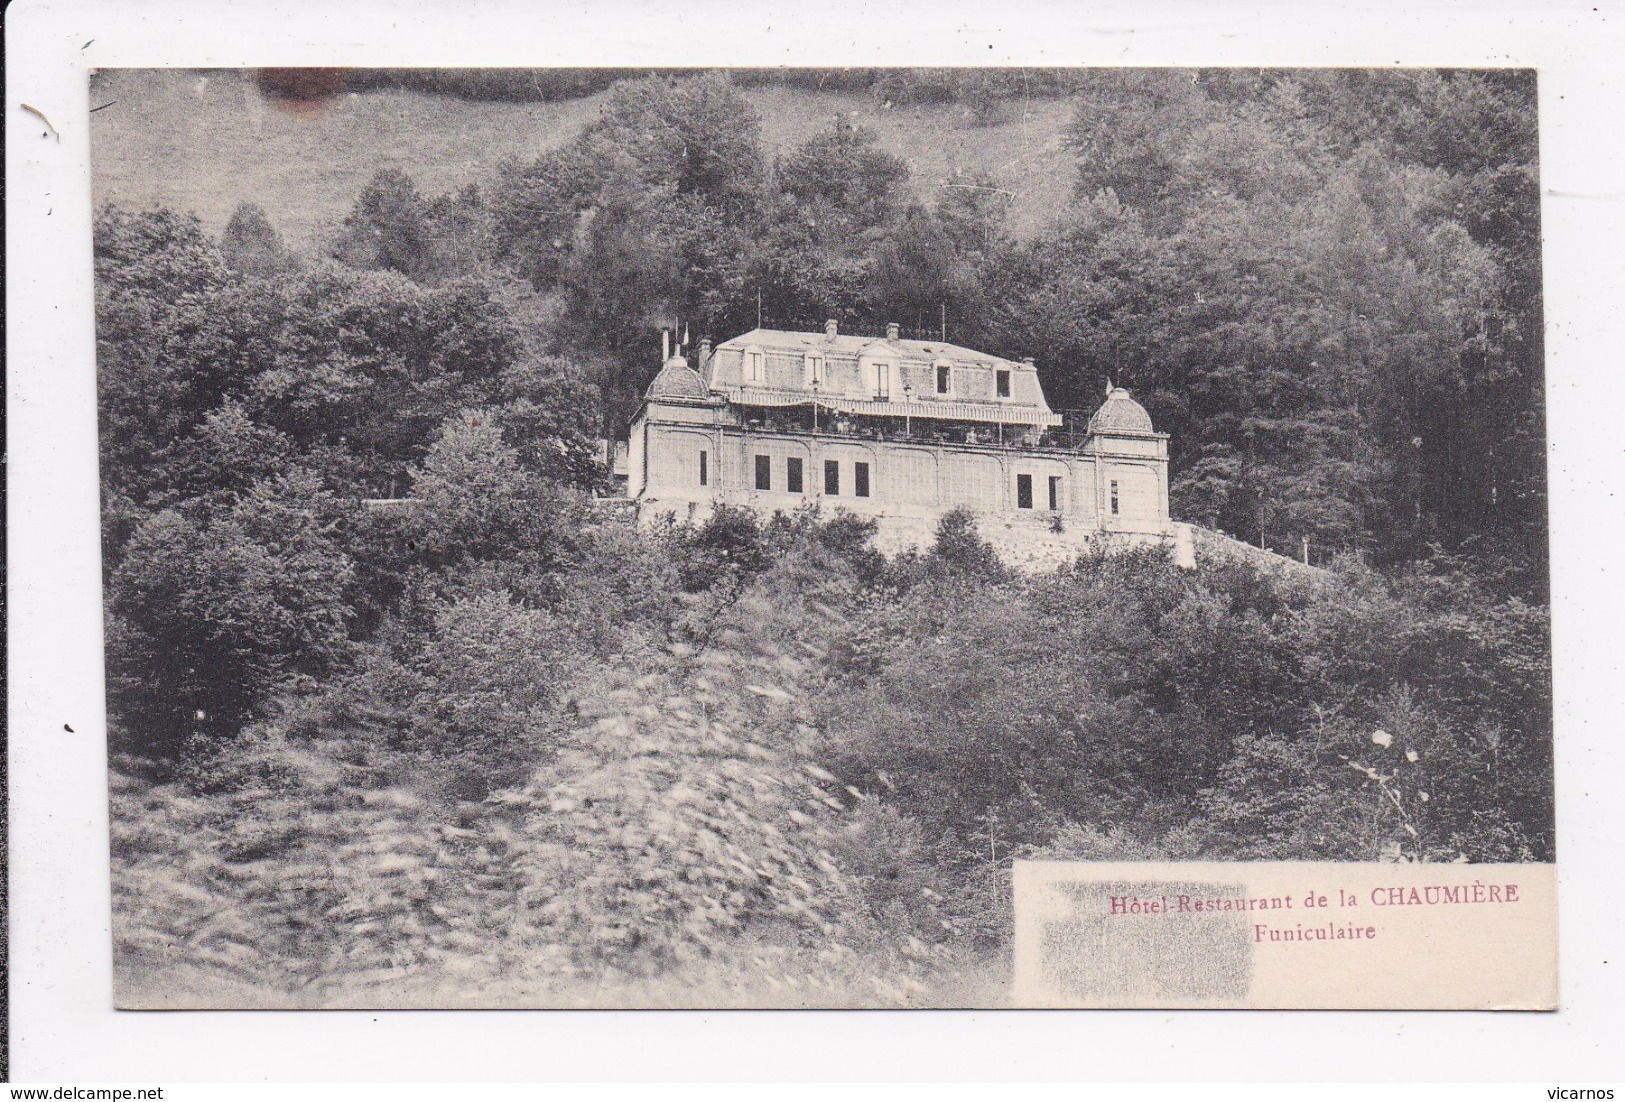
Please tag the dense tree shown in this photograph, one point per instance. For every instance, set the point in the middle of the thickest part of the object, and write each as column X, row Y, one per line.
column 293, row 392
column 223, row 599
column 1299, row 304
column 367, row 362
column 393, row 228
column 917, row 268
column 658, row 139
column 644, row 220
column 1198, row 714
column 158, row 278
column 388, row 227
column 228, row 451
column 549, row 412
column 250, row 244
column 973, row 209
column 842, row 179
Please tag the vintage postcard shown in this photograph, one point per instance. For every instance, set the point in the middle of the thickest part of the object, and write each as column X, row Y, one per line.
column 866, row 537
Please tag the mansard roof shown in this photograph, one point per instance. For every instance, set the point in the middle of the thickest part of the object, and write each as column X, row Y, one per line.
column 979, row 386
column 851, row 344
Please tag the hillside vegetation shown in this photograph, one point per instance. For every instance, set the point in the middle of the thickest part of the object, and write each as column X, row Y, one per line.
column 499, row 746
column 203, row 141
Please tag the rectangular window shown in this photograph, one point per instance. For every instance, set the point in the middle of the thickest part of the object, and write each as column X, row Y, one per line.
column 792, row 475
column 1024, row 491
column 1054, row 492
column 764, row 472
column 705, row 474
column 944, row 378
column 832, row 477
column 860, row 479
column 1002, row 383
column 1114, row 497
column 883, row 382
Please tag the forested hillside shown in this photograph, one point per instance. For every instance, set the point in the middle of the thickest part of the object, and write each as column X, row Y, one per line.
column 500, row 741
column 227, row 138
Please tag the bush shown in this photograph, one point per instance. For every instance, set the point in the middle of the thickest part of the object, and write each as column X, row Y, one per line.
column 219, row 602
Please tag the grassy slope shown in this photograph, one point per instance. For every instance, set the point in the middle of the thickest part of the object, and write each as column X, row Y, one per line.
column 206, row 142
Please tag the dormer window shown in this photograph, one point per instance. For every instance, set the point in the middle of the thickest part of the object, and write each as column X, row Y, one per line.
column 755, row 365
column 874, row 376
column 945, row 378
column 815, row 369
column 1001, row 383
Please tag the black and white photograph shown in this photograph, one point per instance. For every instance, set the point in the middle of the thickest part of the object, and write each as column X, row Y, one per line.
column 672, row 538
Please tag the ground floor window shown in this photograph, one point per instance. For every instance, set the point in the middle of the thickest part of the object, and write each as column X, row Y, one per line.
column 1114, row 497
column 860, row 479
column 792, row 475
column 832, row 477
column 764, row 472
column 1054, row 492
column 705, row 474
column 1024, row 491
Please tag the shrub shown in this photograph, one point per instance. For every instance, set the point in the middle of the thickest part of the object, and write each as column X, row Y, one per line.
column 217, row 603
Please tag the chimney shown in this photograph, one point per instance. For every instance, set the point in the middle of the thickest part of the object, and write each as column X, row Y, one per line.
column 891, row 332
column 830, row 329
column 1029, row 361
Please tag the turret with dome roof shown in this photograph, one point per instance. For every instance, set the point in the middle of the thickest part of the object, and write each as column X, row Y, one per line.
column 1120, row 413
column 678, row 381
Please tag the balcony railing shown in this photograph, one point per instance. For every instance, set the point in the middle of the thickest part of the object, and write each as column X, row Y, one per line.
column 1012, row 438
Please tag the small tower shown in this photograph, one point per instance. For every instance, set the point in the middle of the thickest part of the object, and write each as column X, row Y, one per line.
column 1131, row 459
column 679, row 406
